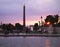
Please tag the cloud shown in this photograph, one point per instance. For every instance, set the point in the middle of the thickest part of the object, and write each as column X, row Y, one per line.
column 11, row 1
column 35, row 7
column 11, row 7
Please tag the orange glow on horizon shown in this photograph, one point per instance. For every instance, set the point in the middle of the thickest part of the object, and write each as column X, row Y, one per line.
column 28, row 22
column 31, row 22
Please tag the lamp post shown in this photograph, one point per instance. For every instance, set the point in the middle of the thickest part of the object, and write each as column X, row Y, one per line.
column 41, row 20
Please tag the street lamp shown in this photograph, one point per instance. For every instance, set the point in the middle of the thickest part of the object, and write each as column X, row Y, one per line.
column 41, row 20
column 48, row 23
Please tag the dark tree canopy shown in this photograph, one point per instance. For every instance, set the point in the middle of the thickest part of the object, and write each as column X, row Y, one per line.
column 52, row 19
column 18, row 26
column 56, row 18
column 36, row 26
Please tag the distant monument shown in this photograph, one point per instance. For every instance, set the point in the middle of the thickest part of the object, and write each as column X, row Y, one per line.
column 24, row 15
column 24, row 26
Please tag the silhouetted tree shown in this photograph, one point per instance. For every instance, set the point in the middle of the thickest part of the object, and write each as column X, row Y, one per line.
column 4, row 27
column 7, row 28
column 18, row 26
column 10, row 27
column 56, row 18
column 0, row 26
column 35, row 27
column 50, row 18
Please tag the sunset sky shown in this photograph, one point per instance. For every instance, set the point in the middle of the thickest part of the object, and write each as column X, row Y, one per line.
column 11, row 11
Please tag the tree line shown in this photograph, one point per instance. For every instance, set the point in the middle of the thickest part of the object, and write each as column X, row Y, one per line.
column 9, row 28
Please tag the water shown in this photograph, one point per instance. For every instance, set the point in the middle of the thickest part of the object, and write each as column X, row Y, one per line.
column 29, row 41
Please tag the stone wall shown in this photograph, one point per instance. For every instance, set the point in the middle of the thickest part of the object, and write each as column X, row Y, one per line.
column 50, row 30
column 57, row 29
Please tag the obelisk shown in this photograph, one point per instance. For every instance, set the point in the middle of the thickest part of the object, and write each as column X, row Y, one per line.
column 24, row 15
column 24, row 26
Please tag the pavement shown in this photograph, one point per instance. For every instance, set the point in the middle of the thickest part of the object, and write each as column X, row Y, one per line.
column 28, row 35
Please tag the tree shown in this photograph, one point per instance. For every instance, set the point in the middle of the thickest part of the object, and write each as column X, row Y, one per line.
column 4, row 27
column 35, row 27
column 56, row 18
column 7, row 28
column 50, row 19
column 10, row 27
column 18, row 26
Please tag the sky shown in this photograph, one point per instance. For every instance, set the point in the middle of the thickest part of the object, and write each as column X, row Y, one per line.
column 11, row 11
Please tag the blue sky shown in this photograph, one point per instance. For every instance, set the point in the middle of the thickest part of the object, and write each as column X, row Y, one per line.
column 11, row 11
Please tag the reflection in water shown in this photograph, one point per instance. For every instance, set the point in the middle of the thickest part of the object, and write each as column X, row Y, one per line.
column 29, row 41
column 47, row 43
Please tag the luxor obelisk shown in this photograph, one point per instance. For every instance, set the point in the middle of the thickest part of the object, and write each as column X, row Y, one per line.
column 24, row 20
column 24, row 16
